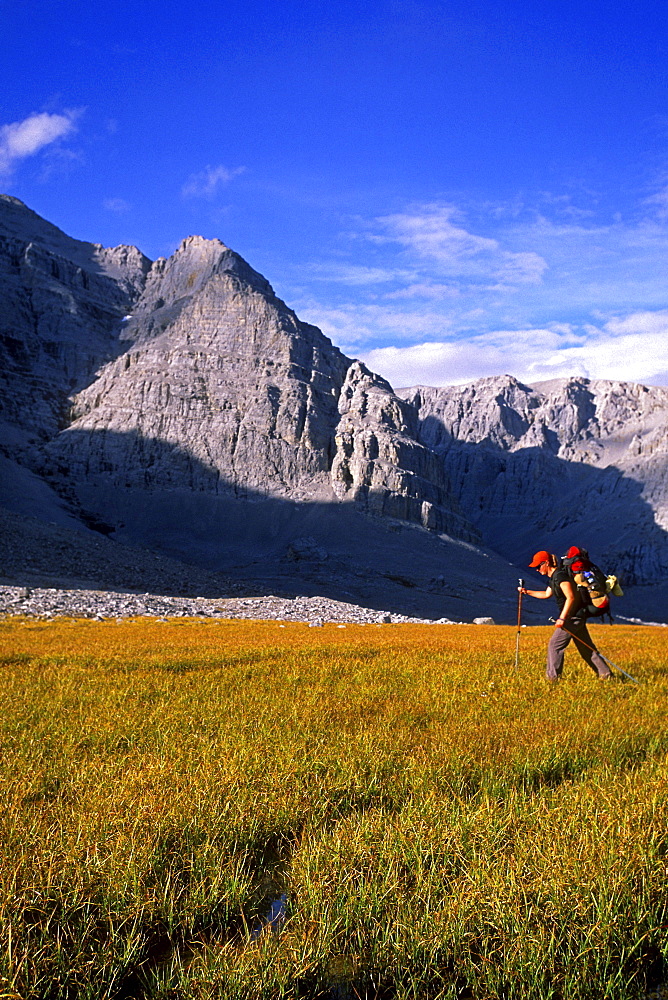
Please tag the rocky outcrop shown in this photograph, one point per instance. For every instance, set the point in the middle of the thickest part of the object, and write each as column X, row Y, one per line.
column 220, row 388
column 189, row 374
column 180, row 405
column 61, row 312
column 570, row 461
column 379, row 460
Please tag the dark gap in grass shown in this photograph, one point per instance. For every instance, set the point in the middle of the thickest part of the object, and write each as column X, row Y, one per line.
column 360, row 990
column 185, row 665
column 634, row 751
column 345, row 802
column 340, row 654
column 57, row 981
column 375, row 984
column 467, row 782
column 550, row 773
column 50, row 790
column 267, row 905
column 14, row 659
column 158, row 942
column 189, row 664
column 653, row 964
column 366, row 988
column 134, row 984
column 626, row 755
column 178, row 667
column 273, row 919
column 269, row 862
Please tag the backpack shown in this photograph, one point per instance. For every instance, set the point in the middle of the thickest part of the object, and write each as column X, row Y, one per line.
column 593, row 586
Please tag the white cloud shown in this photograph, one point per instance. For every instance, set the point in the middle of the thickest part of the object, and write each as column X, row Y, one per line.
column 432, row 232
column 25, row 138
column 439, row 297
column 521, row 268
column 357, row 274
column 658, row 202
column 206, row 183
column 116, row 205
column 436, row 234
column 425, row 290
column 654, row 324
column 631, row 348
column 351, row 326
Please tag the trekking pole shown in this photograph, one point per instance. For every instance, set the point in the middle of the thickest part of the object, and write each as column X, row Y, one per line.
column 609, row 662
column 519, row 618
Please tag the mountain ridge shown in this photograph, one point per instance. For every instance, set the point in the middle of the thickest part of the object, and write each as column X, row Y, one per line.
column 150, row 398
column 578, row 448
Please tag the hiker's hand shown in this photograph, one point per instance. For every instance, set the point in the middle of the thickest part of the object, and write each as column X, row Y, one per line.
column 559, row 623
column 522, row 590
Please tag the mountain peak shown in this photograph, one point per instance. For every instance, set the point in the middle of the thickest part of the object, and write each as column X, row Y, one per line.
column 201, row 243
column 16, row 202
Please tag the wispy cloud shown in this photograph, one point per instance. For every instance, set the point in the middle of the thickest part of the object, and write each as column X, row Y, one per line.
column 425, row 290
column 542, row 288
column 20, row 140
column 433, row 231
column 206, row 183
column 118, row 205
column 630, row 348
column 449, row 294
column 526, row 268
column 357, row 274
column 436, row 233
column 353, row 326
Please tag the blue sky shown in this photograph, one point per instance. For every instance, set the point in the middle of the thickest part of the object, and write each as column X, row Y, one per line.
column 448, row 189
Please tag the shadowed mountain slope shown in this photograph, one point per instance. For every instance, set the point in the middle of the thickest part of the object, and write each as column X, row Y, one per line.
column 571, row 461
column 181, row 406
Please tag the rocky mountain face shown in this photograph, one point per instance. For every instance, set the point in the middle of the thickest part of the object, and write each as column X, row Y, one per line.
column 181, row 406
column 570, row 461
column 219, row 388
column 378, row 459
column 61, row 306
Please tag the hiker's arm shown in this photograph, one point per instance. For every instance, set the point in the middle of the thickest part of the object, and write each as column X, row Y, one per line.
column 571, row 600
column 540, row 594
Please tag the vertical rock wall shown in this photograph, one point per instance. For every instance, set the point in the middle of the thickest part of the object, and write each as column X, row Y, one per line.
column 571, row 461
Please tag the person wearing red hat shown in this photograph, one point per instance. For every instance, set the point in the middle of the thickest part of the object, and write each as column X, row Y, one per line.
column 572, row 622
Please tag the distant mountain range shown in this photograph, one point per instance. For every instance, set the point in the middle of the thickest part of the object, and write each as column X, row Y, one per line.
column 181, row 406
column 567, row 461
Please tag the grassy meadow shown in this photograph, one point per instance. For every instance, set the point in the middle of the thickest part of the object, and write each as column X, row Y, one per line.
column 432, row 822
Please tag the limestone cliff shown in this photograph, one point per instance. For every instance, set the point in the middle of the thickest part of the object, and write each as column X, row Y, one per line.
column 190, row 374
column 570, row 461
column 155, row 401
column 378, row 457
column 61, row 310
column 220, row 387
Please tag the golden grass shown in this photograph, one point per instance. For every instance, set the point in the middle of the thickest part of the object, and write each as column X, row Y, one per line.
column 442, row 824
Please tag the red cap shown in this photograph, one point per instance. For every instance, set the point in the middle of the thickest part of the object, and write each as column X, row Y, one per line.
column 540, row 557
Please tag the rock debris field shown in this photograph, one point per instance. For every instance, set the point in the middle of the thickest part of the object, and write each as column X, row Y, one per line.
column 41, row 568
column 48, row 603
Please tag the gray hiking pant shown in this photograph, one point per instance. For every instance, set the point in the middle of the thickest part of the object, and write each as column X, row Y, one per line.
column 580, row 635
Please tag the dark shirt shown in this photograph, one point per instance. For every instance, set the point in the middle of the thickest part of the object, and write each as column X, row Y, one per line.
column 561, row 576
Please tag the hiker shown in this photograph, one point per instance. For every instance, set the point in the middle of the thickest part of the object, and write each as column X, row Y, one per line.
column 572, row 621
